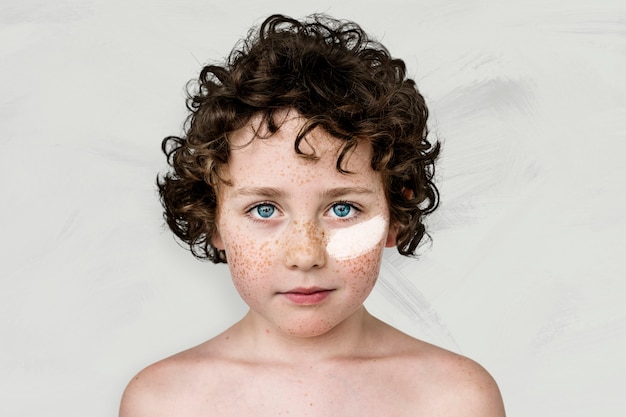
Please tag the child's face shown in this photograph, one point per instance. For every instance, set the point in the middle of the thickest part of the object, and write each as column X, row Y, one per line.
column 303, row 241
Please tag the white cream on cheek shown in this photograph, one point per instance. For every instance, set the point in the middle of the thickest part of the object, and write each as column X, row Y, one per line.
column 353, row 241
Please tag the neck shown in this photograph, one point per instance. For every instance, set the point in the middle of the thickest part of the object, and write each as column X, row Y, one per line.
column 350, row 338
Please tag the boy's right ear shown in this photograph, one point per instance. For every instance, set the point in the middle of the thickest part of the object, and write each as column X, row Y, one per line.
column 216, row 240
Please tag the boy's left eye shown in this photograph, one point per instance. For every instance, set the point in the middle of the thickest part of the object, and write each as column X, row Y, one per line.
column 343, row 210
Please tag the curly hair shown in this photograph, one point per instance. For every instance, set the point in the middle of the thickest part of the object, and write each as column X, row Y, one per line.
column 337, row 79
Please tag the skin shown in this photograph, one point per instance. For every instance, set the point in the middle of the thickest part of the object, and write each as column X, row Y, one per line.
column 306, row 355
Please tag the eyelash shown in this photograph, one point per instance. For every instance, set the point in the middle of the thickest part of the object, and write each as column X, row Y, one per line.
column 250, row 211
column 349, row 204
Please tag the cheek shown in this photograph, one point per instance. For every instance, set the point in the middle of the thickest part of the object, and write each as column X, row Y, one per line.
column 355, row 241
column 363, row 273
column 249, row 261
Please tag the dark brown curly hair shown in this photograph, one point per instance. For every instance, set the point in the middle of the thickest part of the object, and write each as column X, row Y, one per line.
column 339, row 80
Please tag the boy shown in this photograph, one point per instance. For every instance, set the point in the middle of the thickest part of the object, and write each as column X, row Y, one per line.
column 304, row 156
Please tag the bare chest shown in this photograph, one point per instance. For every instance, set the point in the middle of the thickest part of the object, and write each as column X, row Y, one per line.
column 333, row 391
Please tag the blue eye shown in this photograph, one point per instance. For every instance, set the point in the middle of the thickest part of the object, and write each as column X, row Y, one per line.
column 342, row 209
column 265, row 210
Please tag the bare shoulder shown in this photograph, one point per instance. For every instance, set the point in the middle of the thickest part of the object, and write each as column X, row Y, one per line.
column 141, row 392
column 166, row 385
column 465, row 387
column 448, row 383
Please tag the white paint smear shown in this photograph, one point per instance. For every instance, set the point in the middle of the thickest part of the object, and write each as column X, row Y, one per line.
column 356, row 240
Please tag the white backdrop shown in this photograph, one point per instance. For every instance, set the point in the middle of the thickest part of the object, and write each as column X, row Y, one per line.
column 525, row 273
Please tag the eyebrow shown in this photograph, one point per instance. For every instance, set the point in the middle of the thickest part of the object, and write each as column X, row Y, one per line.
column 342, row 191
column 271, row 192
column 268, row 192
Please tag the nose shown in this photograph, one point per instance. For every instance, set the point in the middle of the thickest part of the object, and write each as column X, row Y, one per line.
column 306, row 246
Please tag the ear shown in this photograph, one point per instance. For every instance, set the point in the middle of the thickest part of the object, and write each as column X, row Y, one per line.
column 392, row 235
column 407, row 193
column 216, row 240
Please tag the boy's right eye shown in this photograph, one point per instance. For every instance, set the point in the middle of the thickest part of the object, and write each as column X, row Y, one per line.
column 263, row 211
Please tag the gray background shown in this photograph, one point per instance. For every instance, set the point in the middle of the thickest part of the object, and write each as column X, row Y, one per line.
column 525, row 274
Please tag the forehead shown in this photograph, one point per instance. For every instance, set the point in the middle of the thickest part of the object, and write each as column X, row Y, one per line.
column 256, row 155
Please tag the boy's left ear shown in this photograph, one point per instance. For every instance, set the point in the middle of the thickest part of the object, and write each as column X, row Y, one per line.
column 392, row 235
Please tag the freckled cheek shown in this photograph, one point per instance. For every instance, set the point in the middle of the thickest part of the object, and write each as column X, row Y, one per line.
column 362, row 273
column 250, row 262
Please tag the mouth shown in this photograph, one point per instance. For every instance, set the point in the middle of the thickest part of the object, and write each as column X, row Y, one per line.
column 307, row 296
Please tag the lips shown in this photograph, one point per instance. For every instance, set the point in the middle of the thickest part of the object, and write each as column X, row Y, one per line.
column 306, row 296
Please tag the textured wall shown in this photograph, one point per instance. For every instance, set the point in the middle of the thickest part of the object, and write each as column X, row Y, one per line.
column 524, row 275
